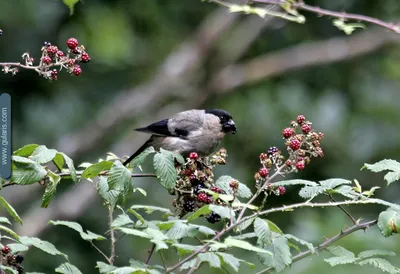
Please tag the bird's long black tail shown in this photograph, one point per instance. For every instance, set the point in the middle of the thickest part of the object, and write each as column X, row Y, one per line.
column 140, row 150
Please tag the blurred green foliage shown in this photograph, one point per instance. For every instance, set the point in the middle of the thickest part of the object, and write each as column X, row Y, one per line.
column 355, row 102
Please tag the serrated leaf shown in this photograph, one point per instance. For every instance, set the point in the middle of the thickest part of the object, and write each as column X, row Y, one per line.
column 261, row 228
column 165, row 168
column 67, row 268
column 27, row 174
column 243, row 225
column 204, row 210
column 71, row 167
column 157, row 237
column 139, row 160
column 9, row 231
column 94, row 170
column 51, row 188
column 42, row 245
column 26, row 150
column 346, row 191
column 87, row 236
column 223, row 211
column 121, row 220
column 223, row 183
column 274, row 228
column 281, row 253
column 340, row 260
column 133, row 232
column 185, row 249
column 340, row 251
column 334, row 182
column 242, row 205
column 137, row 215
column 308, row 192
column 212, row 259
column 295, row 182
column 389, row 222
column 232, row 261
column 203, row 229
column 300, row 241
column 189, row 264
column 43, row 155
column 71, row 5
column 110, row 196
column 150, row 209
column 141, row 190
column 105, row 268
column 383, row 264
column 375, row 252
column 386, row 165
column 231, row 242
column 245, row 236
column 59, row 161
column 16, row 248
column 10, row 210
column 178, row 231
column 119, row 178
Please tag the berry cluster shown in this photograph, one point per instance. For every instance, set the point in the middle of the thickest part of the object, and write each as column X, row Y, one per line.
column 302, row 143
column 54, row 60
column 195, row 180
column 12, row 260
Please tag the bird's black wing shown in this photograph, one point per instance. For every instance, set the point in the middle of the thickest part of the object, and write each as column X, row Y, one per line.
column 159, row 128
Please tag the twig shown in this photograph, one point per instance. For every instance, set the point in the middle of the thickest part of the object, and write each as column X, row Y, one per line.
column 101, row 252
column 342, row 15
column 328, row 242
column 195, row 267
column 151, row 251
column 355, row 222
column 112, row 235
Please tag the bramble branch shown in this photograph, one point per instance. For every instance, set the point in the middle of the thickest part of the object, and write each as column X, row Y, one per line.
column 328, row 242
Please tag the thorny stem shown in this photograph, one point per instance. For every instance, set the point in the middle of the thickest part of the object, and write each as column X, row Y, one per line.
column 269, row 211
column 328, row 242
column 151, row 251
column 324, row 12
column 112, row 235
column 355, row 222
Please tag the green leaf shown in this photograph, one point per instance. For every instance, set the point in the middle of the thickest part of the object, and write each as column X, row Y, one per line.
column 150, row 209
column 42, row 245
column 295, row 182
column 261, row 228
column 4, row 220
column 27, row 174
column 231, row 242
column 340, row 251
column 340, row 260
column 70, row 4
column 281, row 253
column 203, row 229
column 8, row 269
column 345, row 27
column 67, row 268
column 137, row 215
column 157, row 237
column 16, row 248
column 178, row 231
column 232, row 261
column 223, row 183
column 300, row 241
column 223, row 211
column 110, row 196
column 133, row 232
column 346, row 191
column 87, row 236
column 139, row 160
column 165, row 168
column 375, row 252
column 386, row 165
column 43, row 155
column 51, row 188
column 9, row 231
column 212, row 259
column 189, row 264
column 10, row 210
column 389, row 222
column 59, row 161
column 71, row 167
column 121, row 220
column 243, row 225
column 335, row 182
column 204, row 210
column 383, row 264
column 119, row 178
column 25, row 151
column 94, row 170
column 185, row 249
column 105, row 268
column 274, row 228
column 308, row 192
column 245, row 236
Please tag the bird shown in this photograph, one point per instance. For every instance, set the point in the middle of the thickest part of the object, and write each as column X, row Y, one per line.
column 195, row 130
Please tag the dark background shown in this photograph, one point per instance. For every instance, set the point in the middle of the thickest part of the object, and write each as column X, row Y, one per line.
column 153, row 58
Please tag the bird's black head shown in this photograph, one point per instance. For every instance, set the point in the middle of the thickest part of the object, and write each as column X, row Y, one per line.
column 228, row 125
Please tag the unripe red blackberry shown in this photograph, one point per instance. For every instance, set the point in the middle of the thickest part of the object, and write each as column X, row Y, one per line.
column 263, row 156
column 193, row 155
column 263, row 172
column 60, row 53
column 272, row 150
column 72, row 43
column 295, row 144
column 306, row 128
column 71, row 62
column 202, row 197
column 300, row 119
column 54, row 74
column 287, row 132
column 213, row 218
column 288, row 163
column 5, row 249
column 52, row 49
column 46, row 59
column 281, row 190
column 320, row 135
column 189, row 205
column 85, row 57
column 77, row 70
column 216, row 189
column 300, row 165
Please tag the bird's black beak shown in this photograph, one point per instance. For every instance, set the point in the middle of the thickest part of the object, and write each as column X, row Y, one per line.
column 230, row 126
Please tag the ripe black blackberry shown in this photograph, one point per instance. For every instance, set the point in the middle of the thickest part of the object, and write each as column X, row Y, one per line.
column 19, row 259
column 213, row 218
column 189, row 205
column 198, row 187
column 272, row 150
column 47, row 44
